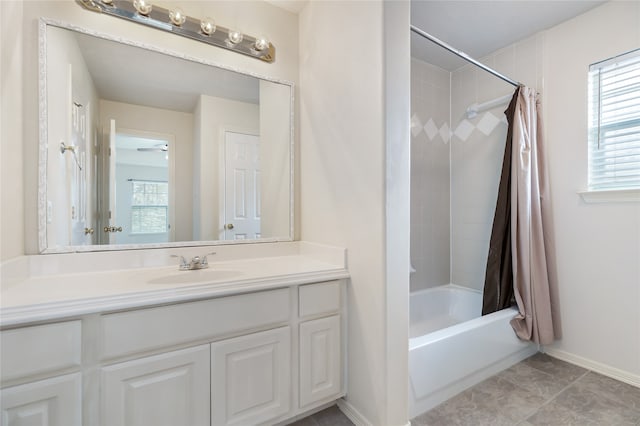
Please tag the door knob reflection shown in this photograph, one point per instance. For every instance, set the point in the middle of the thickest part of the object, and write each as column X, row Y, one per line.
column 112, row 229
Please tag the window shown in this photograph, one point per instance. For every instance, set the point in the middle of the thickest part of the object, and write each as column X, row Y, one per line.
column 149, row 207
column 614, row 123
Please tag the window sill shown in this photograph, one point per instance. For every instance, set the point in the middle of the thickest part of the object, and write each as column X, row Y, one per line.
column 611, row 196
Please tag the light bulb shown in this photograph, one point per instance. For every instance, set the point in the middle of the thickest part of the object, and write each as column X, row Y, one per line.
column 235, row 37
column 208, row 26
column 261, row 44
column 142, row 6
column 177, row 16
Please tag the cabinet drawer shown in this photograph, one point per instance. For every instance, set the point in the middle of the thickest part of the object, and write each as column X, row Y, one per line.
column 38, row 350
column 142, row 330
column 319, row 298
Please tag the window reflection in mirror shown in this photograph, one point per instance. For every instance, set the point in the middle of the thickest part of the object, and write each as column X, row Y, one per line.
column 164, row 149
column 142, row 208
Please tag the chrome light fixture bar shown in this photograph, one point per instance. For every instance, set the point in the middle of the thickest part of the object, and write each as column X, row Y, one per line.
column 175, row 21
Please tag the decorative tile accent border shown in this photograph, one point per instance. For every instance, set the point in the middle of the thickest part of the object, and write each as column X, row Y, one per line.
column 486, row 124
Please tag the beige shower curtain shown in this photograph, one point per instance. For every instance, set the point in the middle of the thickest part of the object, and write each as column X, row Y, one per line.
column 534, row 271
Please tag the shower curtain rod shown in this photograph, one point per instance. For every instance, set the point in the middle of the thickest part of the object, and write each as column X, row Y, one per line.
column 463, row 55
column 474, row 109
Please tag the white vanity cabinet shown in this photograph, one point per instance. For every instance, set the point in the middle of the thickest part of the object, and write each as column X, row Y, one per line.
column 320, row 356
column 251, row 378
column 238, row 376
column 239, row 381
column 252, row 358
column 320, row 342
column 167, row 389
column 49, row 402
column 40, row 365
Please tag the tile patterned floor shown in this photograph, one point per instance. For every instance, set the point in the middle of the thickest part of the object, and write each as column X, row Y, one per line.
column 331, row 416
column 540, row 390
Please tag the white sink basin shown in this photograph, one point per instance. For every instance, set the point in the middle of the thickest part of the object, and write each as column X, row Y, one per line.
column 195, row 277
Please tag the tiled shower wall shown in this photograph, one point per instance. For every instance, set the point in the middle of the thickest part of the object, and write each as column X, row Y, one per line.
column 455, row 182
column 430, row 101
column 476, row 157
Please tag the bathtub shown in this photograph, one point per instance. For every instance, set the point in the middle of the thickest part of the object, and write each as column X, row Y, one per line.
column 452, row 347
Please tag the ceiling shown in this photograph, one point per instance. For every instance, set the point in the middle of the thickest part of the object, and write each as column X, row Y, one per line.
column 129, row 74
column 294, row 6
column 128, row 153
column 480, row 27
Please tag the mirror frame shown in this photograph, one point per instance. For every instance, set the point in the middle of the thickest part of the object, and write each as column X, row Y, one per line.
column 44, row 145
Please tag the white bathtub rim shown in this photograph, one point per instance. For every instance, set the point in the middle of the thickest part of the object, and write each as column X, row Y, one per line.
column 434, row 336
column 438, row 335
column 446, row 286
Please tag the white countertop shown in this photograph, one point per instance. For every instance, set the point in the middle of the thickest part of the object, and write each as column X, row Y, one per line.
column 38, row 296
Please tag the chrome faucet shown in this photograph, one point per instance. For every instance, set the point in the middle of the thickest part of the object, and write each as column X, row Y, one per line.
column 196, row 262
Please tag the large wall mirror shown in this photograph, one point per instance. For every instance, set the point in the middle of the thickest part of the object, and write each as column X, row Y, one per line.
column 141, row 147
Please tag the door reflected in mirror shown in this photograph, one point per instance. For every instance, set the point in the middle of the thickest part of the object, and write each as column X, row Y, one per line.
column 139, row 176
column 242, row 186
column 162, row 150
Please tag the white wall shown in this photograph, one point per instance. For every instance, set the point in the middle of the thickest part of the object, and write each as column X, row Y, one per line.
column 215, row 116
column 430, row 179
column 349, row 191
column 11, row 122
column 397, row 95
column 275, row 166
column 176, row 123
column 19, row 204
column 598, row 245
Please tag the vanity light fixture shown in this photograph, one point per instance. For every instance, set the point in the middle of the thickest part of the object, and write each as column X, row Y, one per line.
column 177, row 16
column 261, row 44
column 177, row 22
column 142, row 6
column 235, row 37
column 208, row 26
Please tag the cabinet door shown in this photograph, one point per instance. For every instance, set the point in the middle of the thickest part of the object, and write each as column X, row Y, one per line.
column 320, row 367
column 167, row 389
column 251, row 378
column 55, row 401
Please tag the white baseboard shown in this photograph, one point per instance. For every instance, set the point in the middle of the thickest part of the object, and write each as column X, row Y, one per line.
column 355, row 416
column 605, row 370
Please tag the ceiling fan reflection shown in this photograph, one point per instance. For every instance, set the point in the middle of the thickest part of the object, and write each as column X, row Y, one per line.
column 157, row 148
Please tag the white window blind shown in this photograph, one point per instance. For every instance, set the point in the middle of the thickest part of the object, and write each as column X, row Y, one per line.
column 614, row 123
column 149, row 207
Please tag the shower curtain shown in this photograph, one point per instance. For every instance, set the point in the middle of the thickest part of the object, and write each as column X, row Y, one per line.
column 498, row 282
column 523, row 228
